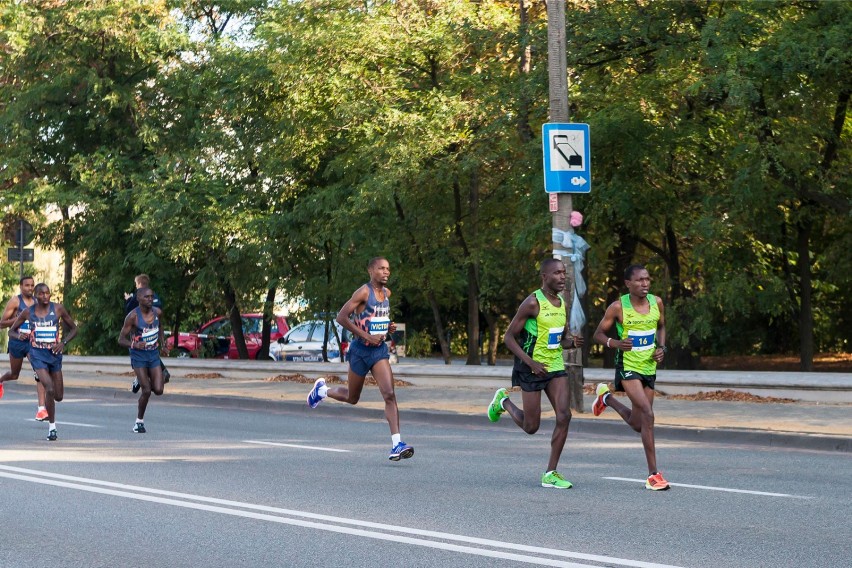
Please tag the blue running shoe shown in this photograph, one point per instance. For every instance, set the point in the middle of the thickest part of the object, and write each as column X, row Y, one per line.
column 314, row 397
column 401, row 451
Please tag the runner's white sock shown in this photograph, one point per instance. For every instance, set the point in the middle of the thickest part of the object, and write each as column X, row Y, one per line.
column 603, row 399
column 51, row 426
column 140, row 421
column 396, row 439
column 322, row 391
column 502, row 400
column 40, row 408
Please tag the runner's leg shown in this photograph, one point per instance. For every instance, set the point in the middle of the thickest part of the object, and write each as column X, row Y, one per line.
column 557, row 393
column 384, row 377
column 351, row 393
column 528, row 419
column 642, row 418
column 145, row 391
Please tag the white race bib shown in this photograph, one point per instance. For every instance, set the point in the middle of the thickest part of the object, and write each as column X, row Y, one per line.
column 554, row 337
column 46, row 334
column 642, row 340
column 379, row 326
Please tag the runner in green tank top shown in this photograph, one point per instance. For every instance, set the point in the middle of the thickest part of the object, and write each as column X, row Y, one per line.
column 537, row 335
column 639, row 319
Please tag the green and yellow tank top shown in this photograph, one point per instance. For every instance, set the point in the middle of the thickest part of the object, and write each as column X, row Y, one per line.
column 641, row 329
column 542, row 336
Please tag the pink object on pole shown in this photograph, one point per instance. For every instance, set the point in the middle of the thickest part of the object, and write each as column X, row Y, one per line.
column 576, row 219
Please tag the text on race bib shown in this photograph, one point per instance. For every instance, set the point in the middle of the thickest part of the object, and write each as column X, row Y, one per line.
column 378, row 326
column 642, row 340
column 554, row 337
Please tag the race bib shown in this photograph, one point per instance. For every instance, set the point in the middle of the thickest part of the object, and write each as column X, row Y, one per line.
column 554, row 337
column 150, row 336
column 642, row 340
column 378, row 326
column 46, row 334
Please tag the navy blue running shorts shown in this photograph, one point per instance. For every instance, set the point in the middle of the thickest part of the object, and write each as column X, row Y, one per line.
column 144, row 358
column 18, row 348
column 45, row 359
column 363, row 357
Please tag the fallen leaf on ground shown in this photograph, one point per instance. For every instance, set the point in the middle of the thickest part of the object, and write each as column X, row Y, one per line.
column 729, row 395
column 204, row 376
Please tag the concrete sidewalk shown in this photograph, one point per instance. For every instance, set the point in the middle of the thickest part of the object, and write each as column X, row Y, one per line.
column 461, row 394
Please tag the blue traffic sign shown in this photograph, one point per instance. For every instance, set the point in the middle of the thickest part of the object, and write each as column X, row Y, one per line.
column 567, row 157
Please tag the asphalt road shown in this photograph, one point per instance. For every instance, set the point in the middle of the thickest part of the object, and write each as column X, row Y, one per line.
column 222, row 487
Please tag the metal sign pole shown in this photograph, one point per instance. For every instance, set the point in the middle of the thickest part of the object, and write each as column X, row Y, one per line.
column 21, row 244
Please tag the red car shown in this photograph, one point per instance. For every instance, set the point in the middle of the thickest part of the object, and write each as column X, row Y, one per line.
column 215, row 339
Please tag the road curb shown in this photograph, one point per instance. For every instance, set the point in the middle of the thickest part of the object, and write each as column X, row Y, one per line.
column 579, row 425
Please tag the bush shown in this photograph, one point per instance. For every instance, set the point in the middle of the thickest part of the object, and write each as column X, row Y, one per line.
column 419, row 344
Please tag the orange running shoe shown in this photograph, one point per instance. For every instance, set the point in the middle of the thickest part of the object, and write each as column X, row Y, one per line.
column 1, row 390
column 598, row 407
column 41, row 415
column 656, row 482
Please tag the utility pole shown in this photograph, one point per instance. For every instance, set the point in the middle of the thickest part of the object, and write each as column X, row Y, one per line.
column 557, row 71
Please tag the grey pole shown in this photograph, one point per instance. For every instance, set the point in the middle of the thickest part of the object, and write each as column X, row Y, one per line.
column 557, row 68
column 21, row 244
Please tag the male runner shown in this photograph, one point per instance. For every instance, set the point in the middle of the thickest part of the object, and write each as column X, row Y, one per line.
column 44, row 319
column 640, row 321
column 144, row 337
column 19, row 349
column 131, row 302
column 541, row 324
column 368, row 351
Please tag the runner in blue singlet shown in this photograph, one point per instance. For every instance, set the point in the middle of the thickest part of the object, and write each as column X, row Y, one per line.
column 368, row 351
column 143, row 335
column 45, row 320
column 19, row 349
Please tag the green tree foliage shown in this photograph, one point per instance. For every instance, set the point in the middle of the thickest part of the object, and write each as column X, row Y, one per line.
column 236, row 149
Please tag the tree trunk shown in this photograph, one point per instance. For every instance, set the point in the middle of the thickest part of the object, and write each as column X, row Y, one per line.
column 806, row 316
column 493, row 335
column 68, row 256
column 439, row 327
column 236, row 320
column 266, row 331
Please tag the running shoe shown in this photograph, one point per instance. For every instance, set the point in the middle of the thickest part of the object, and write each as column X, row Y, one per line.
column 41, row 415
column 495, row 409
column 51, row 436
column 1, row 390
column 598, row 407
column 135, row 386
column 555, row 479
column 656, row 482
column 314, row 397
column 139, row 428
column 401, row 451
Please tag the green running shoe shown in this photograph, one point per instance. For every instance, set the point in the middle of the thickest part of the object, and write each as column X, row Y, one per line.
column 555, row 479
column 494, row 409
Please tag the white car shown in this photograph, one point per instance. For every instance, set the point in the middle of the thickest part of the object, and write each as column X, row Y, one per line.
column 304, row 343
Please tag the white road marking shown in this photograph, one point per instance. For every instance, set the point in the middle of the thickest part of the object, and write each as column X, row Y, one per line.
column 726, row 489
column 240, row 509
column 294, row 446
column 67, row 423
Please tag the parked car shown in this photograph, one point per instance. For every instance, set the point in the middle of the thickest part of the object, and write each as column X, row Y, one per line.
column 304, row 343
column 215, row 338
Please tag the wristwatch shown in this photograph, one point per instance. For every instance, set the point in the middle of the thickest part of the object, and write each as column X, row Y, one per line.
column 664, row 348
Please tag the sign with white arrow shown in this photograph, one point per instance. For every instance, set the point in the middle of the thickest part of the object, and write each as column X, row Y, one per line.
column 567, row 157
